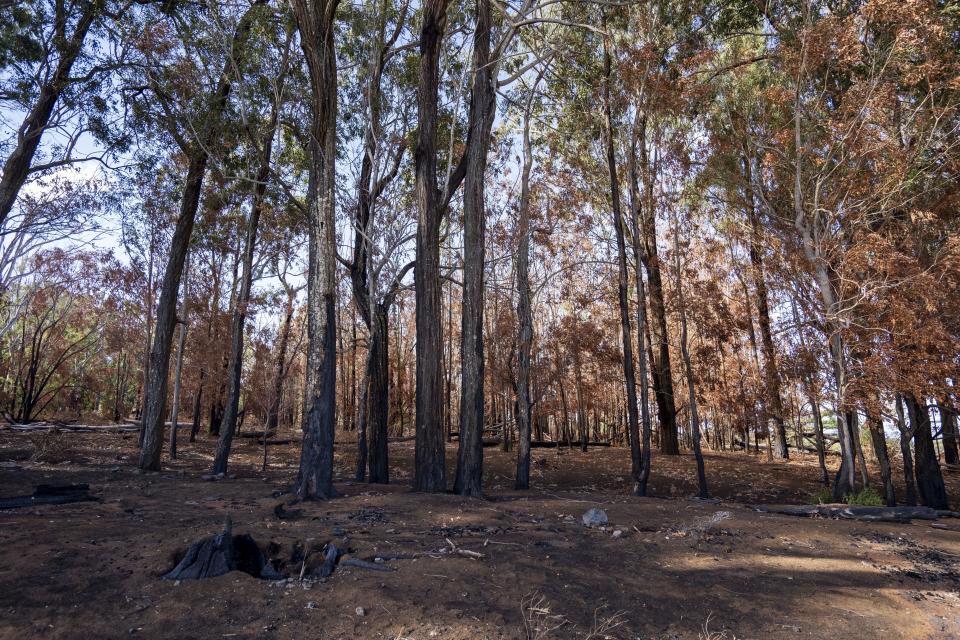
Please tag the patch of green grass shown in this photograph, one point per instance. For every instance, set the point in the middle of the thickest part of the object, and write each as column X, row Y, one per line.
column 865, row 498
column 823, row 496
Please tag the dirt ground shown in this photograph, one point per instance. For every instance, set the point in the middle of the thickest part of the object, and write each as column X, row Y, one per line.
column 679, row 568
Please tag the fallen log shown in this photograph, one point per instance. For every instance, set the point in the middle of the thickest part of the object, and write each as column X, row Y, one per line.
column 853, row 512
column 50, row 494
column 256, row 434
column 553, row 444
column 73, row 428
column 275, row 441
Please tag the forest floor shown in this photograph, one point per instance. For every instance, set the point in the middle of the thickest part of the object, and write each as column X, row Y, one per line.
column 680, row 568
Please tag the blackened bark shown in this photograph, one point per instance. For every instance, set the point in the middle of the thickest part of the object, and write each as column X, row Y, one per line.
column 930, row 485
column 429, row 456
column 469, row 475
column 315, row 21
column 228, row 424
column 643, row 476
column 619, row 224
column 280, row 366
column 879, row 440
column 688, row 368
column 948, row 418
column 197, row 404
column 378, row 402
column 524, row 314
column 155, row 397
column 906, row 433
column 178, row 370
column 659, row 347
column 771, row 377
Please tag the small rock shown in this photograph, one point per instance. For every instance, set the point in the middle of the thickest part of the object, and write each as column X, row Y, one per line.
column 311, row 605
column 618, row 533
column 361, row 611
column 595, row 517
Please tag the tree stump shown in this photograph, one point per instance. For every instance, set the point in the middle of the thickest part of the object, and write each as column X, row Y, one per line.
column 221, row 554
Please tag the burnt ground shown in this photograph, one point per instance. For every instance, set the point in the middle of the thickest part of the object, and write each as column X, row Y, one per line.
column 680, row 568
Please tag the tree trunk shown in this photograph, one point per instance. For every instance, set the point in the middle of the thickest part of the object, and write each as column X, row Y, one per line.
column 930, row 485
column 948, row 418
column 178, row 369
column 641, row 479
column 280, row 366
column 429, row 457
column 228, row 424
column 17, row 166
column 626, row 334
column 315, row 21
column 773, row 402
column 469, row 475
column 378, row 401
column 524, row 313
column 906, row 433
column 659, row 347
column 879, row 440
column 688, row 368
column 155, row 395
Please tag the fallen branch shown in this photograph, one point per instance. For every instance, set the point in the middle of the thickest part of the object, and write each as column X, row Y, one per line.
column 466, row 553
column 852, row 512
column 363, row 564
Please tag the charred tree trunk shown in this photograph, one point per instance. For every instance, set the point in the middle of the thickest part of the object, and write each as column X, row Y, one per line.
column 659, row 347
column 178, row 369
column 155, row 395
column 524, row 313
column 948, row 418
column 228, row 424
column 930, row 485
column 378, row 401
column 643, row 476
column 906, row 433
column 315, row 21
column 879, row 441
column 688, row 368
column 429, row 457
column 619, row 224
column 280, row 366
column 469, row 475
column 771, row 377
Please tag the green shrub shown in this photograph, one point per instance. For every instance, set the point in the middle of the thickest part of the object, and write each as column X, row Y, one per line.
column 865, row 498
column 823, row 496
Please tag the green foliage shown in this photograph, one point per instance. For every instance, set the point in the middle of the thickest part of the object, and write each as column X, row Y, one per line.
column 823, row 495
column 865, row 498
